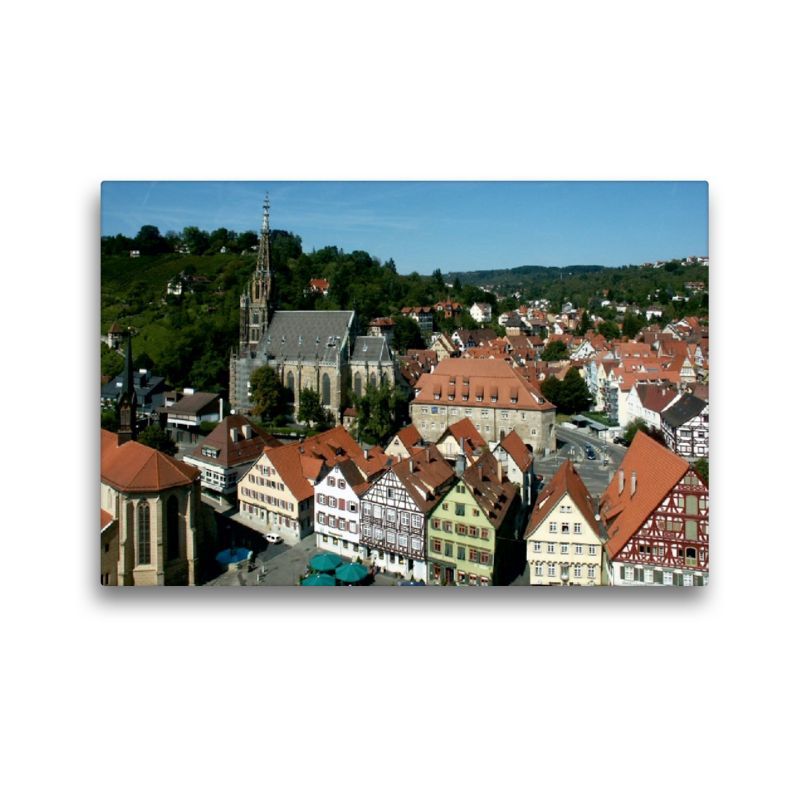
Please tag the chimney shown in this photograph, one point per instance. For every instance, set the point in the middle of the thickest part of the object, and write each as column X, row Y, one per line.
column 366, row 454
column 499, row 471
column 221, row 409
column 234, row 434
column 480, row 472
column 427, row 455
column 247, row 431
column 621, row 480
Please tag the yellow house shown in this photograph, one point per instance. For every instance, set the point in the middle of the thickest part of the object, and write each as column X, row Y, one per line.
column 564, row 544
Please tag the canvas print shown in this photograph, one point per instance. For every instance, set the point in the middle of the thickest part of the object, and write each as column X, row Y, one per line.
column 404, row 384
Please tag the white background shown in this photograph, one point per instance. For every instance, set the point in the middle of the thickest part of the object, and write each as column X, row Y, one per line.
column 274, row 693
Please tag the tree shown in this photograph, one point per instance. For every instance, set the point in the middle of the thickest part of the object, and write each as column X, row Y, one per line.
column 637, row 426
column 149, row 241
column 378, row 410
column 609, row 329
column 556, row 350
column 196, row 240
column 551, row 389
column 310, row 409
column 407, row 334
column 585, row 324
column 631, row 325
column 574, row 393
column 156, row 437
column 438, row 282
column 266, row 392
column 701, row 465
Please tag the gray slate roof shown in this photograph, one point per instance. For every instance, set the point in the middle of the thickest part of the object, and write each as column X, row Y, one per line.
column 370, row 348
column 688, row 407
column 307, row 335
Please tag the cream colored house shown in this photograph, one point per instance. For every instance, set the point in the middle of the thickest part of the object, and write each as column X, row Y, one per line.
column 564, row 543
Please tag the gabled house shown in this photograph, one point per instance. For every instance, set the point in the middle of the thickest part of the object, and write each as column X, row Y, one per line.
column 655, row 511
column 189, row 412
column 564, row 542
column 404, row 443
column 394, row 512
column 338, row 497
column 228, row 452
column 472, row 531
column 685, row 427
column 444, row 347
column 422, row 315
column 647, row 401
column 481, row 312
column 461, row 436
column 517, row 461
column 448, row 307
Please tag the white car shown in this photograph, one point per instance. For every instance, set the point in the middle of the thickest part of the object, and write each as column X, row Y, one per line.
column 273, row 538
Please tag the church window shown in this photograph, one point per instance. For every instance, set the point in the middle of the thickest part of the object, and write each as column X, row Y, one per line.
column 326, row 390
column 143, row 533
column 357, row 384
column 173, row 535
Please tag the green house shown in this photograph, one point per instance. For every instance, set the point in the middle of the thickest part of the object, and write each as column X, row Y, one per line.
column 472, row 532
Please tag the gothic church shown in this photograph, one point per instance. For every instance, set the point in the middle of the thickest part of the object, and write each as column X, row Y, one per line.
column 320, row 350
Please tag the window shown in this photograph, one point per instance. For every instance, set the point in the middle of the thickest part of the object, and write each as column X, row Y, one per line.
column 553, row 527
column 404, row 518
column 566, row 509
column 504, row 415
column 379, row 533
column 402, row 541
column 564, row 549
column 591, row 572
column 468, row 412
column 551, row 547
column 344, row 544
column 484, row 533
column 475, row 512
column 484, row 415
column 578, row 549
column 473, row 555
column 331, row 481
column 448, row 549
column 577, row 527
column 628, row 573
column 341, row 484
column 390, row 493
column 551, row 570
column 322, row 500
column 437, row 546
column 691, row 557
column 667, row 579
column 485, row 558
column 648, row 576
column 565, row 527
column 537, row 547
column 688, row 580
column 390, row 537
column 473, row 531
column 416, row 543
column 448, row 526
column 437, row 524
column 390, row 516
column 578, row 570
column 461, row 576
column 592, row 549
column 460, row 509
column 332, row 502
column 416, row 520
column 367, row 531
column 690, row 531
column 461, row 530
column 366, row 509
column 462, row 553
column 353, row 508
column 143, row 533
column 539, row 570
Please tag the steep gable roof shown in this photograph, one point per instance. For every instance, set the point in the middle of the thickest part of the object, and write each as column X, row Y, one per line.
column 566, row 482
column 239, row 451
column 657, row 470
column 424, row 476
column 512, row 443
column 493, row 495
column 683, row 410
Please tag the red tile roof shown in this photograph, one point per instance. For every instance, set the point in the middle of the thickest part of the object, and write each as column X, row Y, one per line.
column 105, row 519
column 240, row 451
column 133, row 467
column 512, row 443
column 657, row 471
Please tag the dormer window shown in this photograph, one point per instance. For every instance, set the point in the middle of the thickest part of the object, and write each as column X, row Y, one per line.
column 465, row 396
column 494, row 399
column 479, row 398
column 436, row 396
column 451, row 397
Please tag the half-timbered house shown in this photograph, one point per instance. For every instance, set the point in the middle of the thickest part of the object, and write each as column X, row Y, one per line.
column 685, row 427
column 337, row 500
column 394, row 512
column 656, row 515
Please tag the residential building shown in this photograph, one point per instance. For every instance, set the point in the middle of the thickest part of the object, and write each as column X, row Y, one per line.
column 404, row 443
column 149, row 391
column 564, row 540
column 489, row 392
column 114, row 336
column 465, row 339
column 461, row 437
column 338, row 497
column 319, row 286
column 646, row 402
column 448, row 307
column 481, row 312
column 277, row 492
column 395, row 509
column 472, row 531
column 685, row 427
column 227, row 453
column 382, row 326
column 655, row 511
column 517, row 461
column 444, row 347
column 422, row 315
column 189, row 412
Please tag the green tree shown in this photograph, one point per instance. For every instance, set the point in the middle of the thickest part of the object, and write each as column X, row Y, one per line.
column 310, row 409
column 609, row 329
column 378, row 411
column 637, row 426
column 701, row 465
column 108, row 420
column 556, row 350
column 585, row 324
column 574, row 394
column 266, row 392
column 150, row 242
column 407, row 334
column 551, row 389
column 438, row 283
column 631, row 325
column 156, row 437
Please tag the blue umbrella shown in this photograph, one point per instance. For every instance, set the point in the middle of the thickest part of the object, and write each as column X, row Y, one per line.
column 325, row 562
column 351, row 573
column 320, row 580
column 411, row 583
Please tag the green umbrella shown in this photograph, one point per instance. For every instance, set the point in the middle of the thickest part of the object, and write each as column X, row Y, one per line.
column 325, row 562
column 351, row 573
column 320, row 580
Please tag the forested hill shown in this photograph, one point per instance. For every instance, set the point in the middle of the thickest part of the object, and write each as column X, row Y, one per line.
column 518, row 275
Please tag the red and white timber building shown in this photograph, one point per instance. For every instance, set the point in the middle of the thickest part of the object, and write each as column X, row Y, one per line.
column 655, row 511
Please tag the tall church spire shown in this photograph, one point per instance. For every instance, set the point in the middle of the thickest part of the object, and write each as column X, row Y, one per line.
column 262, row 280
column 254, row 307
column 126, row 405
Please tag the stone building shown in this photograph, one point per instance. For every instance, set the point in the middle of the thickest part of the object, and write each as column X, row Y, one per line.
column 318, row 350
column 489, row 392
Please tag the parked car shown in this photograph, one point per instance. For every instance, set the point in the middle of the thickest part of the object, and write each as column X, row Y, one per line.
column 623, row 442
column 273, row 538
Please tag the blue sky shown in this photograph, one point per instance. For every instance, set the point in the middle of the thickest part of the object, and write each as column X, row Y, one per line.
column 455, row 226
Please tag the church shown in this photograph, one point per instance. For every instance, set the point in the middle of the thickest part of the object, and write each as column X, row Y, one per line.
column 319, row 350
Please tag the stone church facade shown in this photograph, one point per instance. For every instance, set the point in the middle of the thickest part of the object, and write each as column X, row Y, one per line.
column 319, row 350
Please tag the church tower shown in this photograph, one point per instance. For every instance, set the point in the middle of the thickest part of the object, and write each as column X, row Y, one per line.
column 127, row 403
column 254, row 304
